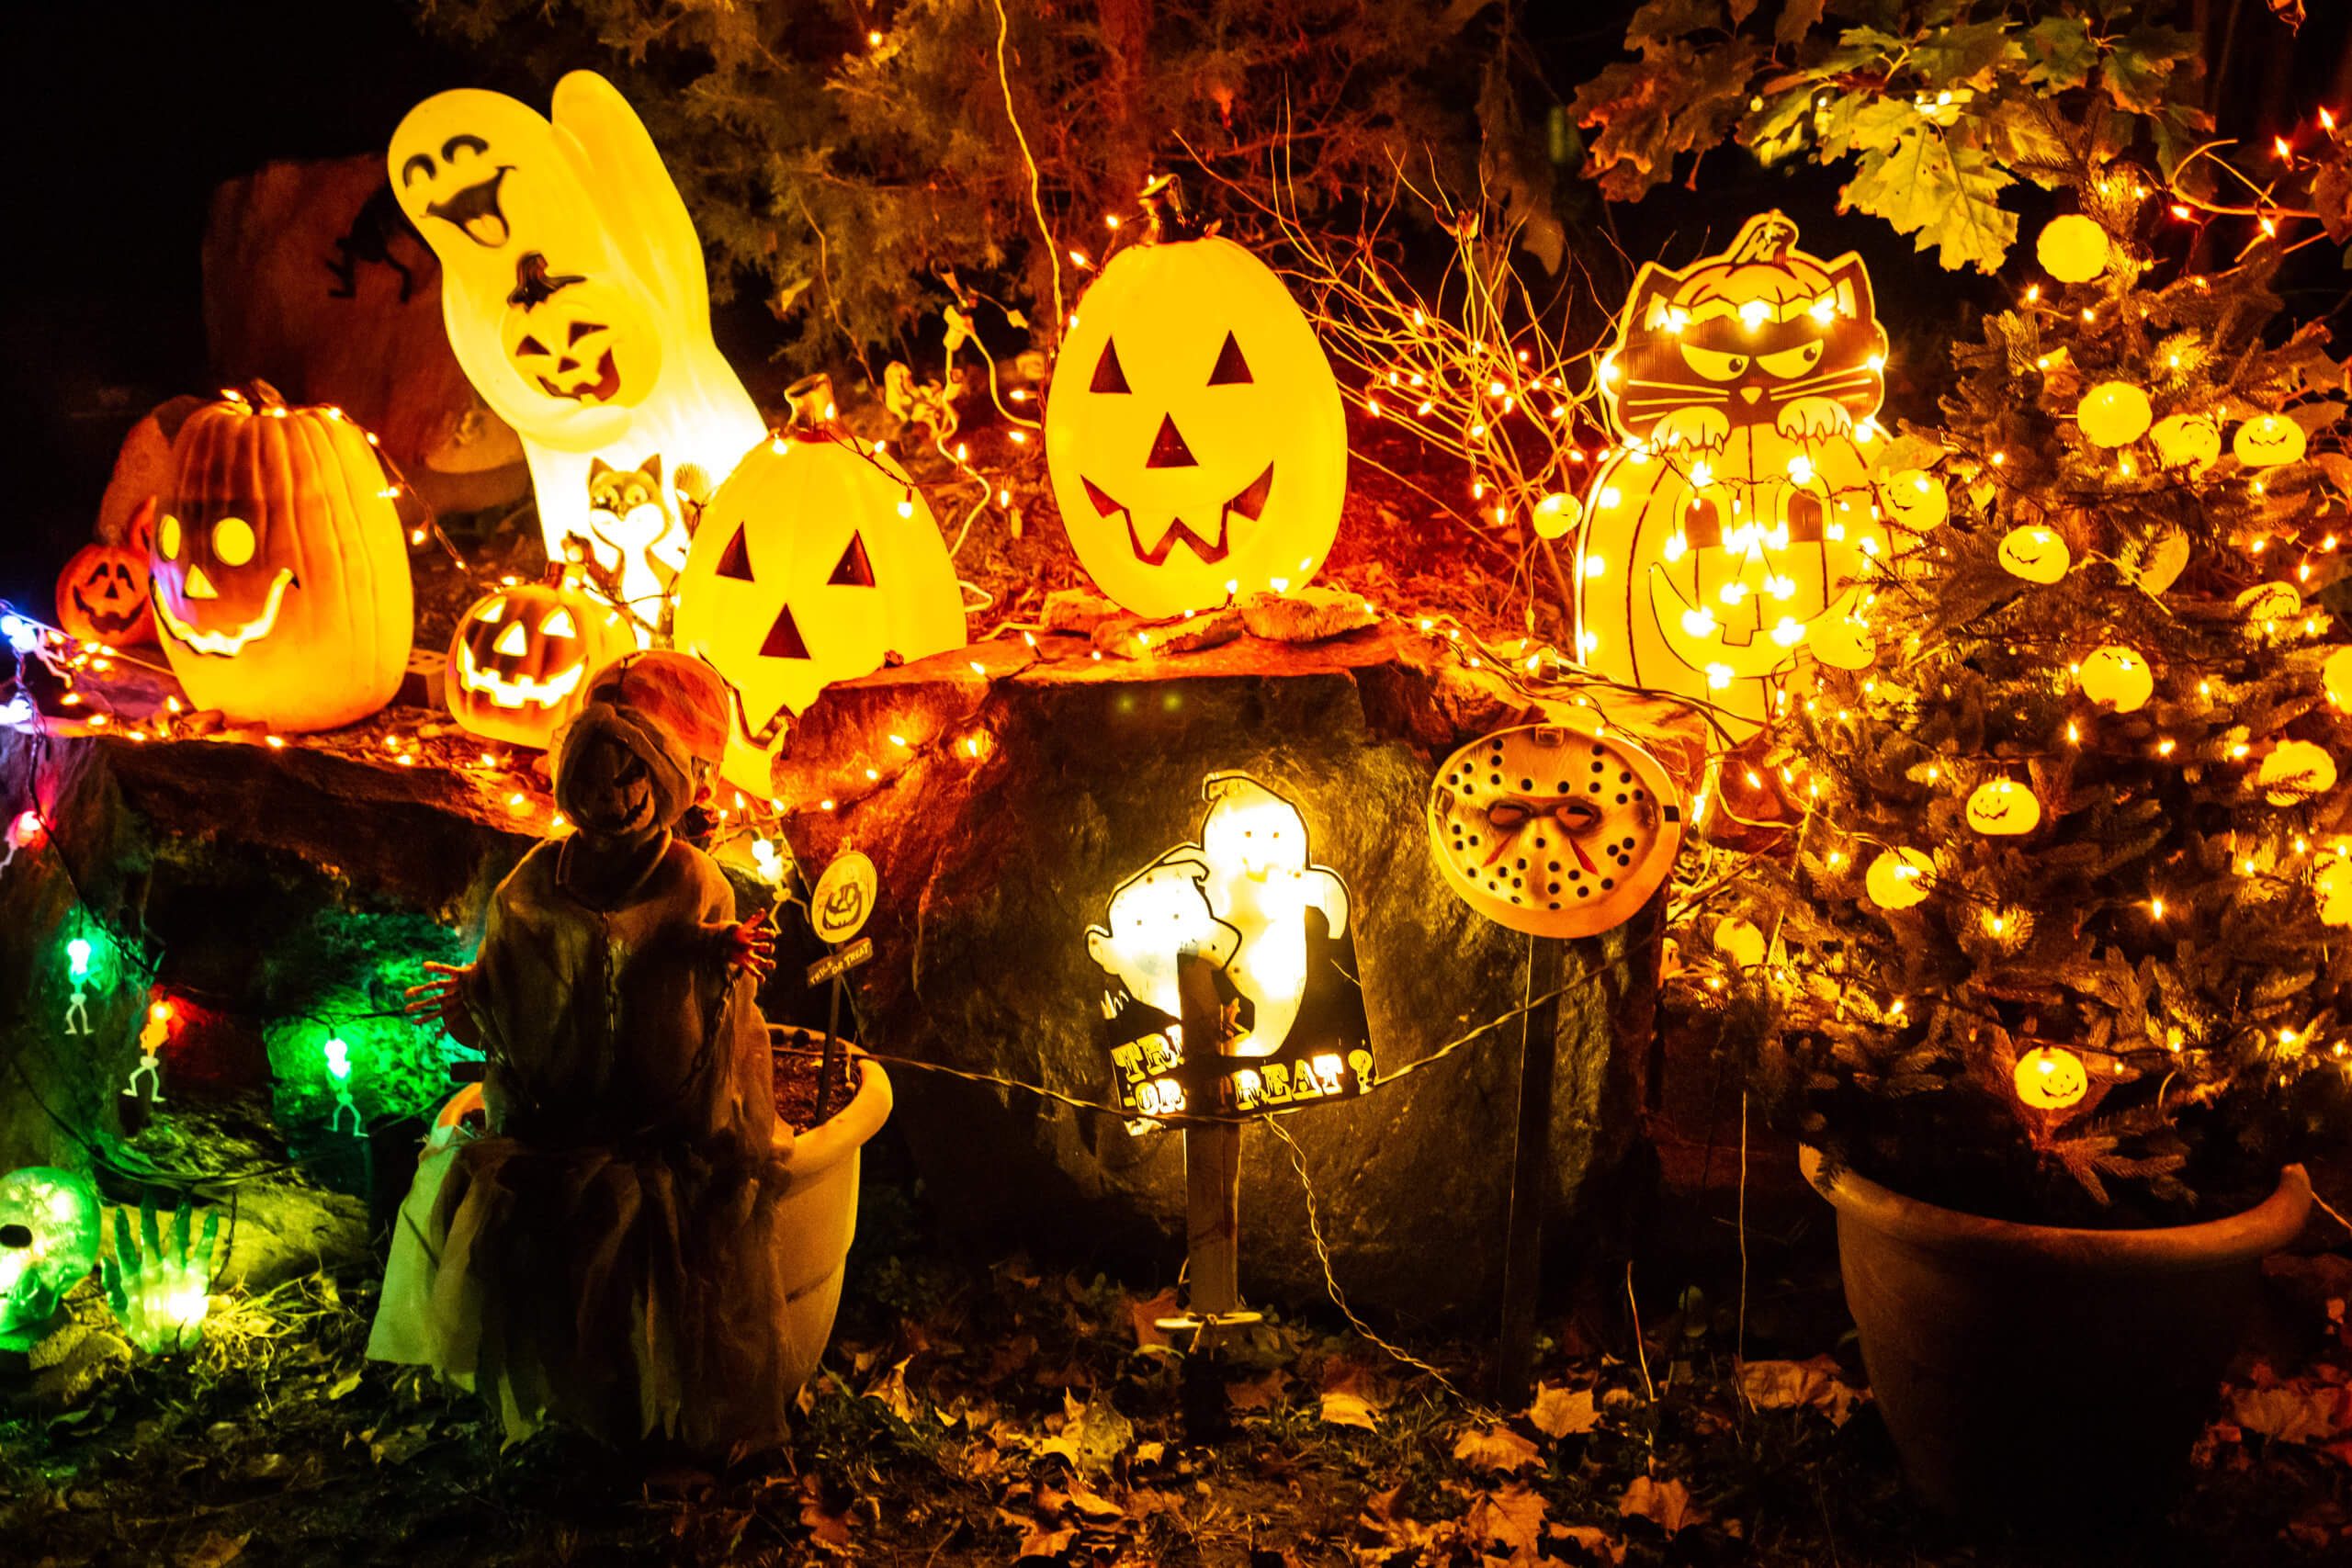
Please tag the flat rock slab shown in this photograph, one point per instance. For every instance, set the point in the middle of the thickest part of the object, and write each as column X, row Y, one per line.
column 1003, row 791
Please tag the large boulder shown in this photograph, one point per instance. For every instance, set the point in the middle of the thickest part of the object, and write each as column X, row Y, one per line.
column 1001, row 804
column 315, row 282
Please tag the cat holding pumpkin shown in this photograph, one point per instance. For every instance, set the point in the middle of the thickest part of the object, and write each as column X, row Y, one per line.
column 607, row 1256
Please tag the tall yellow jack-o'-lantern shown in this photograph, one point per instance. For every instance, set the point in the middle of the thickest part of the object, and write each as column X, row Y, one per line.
column 1734, row 533
column 1193, row 430
column 573, row 290
column 816, row 562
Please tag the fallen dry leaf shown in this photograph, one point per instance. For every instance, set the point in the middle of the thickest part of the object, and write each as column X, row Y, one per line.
column 1596, row 1542
column 1093, row 1434
column 1784, row 1385
column 827, row 1530
column 1348, row 1410
column 213, row 1551
column 1143, row 1315
column 2294, row 1412
column 1258, row 1393
column 1494, row 1448
column 1666, row 1504
column 1512, row 1517
column 1560, row 1411
column 890, row 1391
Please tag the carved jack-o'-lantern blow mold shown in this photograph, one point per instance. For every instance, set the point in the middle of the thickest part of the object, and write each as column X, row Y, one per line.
column 1193, row 431
column 1737, row 530
column 572, row 286
column 1558, row 830
column 102, row 595
column 278, row 570
column 816, row 562
column 520, row 660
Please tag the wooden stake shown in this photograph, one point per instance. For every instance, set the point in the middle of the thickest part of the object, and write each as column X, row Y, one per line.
column 1531, row 1171
column 1212, row 1162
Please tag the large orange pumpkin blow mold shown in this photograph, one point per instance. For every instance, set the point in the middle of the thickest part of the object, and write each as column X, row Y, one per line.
column 278, row 570
column 1193, row 431
column 1735, row 533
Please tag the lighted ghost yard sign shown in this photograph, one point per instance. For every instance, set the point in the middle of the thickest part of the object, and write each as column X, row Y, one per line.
column 1245, row 911
column 1735, row 532
column 573, row 290
column 1193, row 431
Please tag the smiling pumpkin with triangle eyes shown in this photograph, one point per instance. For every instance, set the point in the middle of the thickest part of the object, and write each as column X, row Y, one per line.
column 1193, row 431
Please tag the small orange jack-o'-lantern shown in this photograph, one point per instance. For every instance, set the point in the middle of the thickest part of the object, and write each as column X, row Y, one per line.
column 520, row 661
column 816, row 562
column 1193, row 431
column 279, row 571
column 578, row 339
column 1556, row 830
column 2049, row 1077
column 102, row 595
column 1736, row 532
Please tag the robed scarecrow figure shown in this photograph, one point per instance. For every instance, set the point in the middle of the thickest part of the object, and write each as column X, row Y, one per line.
column 609, row 1255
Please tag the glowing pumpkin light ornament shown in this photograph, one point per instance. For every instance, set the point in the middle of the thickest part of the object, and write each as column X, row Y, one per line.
column 816, row 561
column 1193, row 430
column 520, row 660
column 574, row 292
column 1735, row 532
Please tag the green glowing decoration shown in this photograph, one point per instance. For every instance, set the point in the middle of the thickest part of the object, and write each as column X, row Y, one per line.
column 338, row 1055
column 78, row 952
column 48, row 1242
column 78, row 1011
column 159, row 1289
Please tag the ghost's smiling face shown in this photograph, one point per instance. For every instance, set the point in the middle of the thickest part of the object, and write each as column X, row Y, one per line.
column 460, row 188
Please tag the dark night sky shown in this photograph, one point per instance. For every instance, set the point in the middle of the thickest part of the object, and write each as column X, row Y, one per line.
column 128, row 112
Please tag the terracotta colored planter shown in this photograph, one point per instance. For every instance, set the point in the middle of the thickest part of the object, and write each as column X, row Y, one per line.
column 821, row 1210
column 2039, row 1372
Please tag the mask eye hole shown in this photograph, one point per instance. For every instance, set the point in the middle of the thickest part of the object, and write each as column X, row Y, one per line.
column 167, row 536
column 1108, row 375
column 852, row 570
column 735, row 561
column 1231, row 369
column 233, row 541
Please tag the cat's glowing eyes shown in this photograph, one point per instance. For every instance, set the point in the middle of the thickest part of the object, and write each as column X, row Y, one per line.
column 1713, row 363
column 1789, row 362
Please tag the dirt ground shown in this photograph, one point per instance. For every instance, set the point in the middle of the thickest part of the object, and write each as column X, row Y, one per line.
column 975, row 1412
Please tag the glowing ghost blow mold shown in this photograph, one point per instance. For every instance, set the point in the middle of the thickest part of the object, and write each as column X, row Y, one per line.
column 1735, row 533
column 1193, row 431
column 573, row 289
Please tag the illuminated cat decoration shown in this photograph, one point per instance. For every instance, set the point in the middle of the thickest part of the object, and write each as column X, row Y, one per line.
column 1735, row 532
column 572, row 286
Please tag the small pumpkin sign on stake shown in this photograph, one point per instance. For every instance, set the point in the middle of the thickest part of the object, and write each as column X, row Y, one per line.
column 839, row 907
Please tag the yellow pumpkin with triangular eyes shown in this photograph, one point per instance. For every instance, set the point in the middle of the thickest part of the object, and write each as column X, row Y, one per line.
column 520, row 661
column 1193, row 431
column 816, row 561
